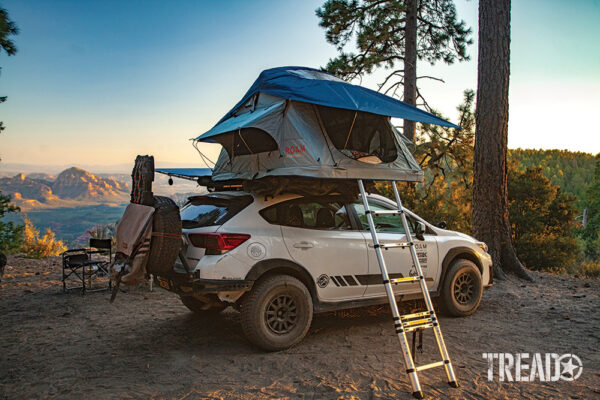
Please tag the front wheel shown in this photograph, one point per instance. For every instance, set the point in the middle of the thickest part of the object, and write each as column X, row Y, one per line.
column 277, row 313
column 462, row 289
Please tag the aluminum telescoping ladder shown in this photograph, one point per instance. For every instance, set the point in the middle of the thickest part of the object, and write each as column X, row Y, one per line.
column 409, row 322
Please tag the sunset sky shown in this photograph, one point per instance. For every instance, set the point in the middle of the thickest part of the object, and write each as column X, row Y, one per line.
column 97, row 82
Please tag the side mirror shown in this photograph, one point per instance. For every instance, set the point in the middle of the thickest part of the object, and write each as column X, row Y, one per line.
column 442, row 225
column 420, row 230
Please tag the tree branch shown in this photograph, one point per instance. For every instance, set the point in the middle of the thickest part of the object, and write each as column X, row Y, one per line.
column 431, row 77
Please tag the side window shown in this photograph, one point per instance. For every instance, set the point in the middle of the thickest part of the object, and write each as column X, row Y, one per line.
column 383, row 223
column 308, row 214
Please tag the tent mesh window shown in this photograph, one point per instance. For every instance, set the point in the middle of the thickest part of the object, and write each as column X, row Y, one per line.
column 246, row 141
column 359, row 134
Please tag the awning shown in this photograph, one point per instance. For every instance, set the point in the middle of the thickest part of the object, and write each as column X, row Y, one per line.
column 185, row 173
column 318, row 87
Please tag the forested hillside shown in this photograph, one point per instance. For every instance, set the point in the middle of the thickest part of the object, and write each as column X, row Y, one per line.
column 572, row 171
column 548, row 191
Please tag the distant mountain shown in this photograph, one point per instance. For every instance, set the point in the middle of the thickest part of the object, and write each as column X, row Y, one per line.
column 75, row 183
column 72, row 187
column 41, row 175
column 23, row 187
column 75, row 200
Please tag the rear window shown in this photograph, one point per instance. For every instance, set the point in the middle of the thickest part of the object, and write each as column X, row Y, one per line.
column 209, row 210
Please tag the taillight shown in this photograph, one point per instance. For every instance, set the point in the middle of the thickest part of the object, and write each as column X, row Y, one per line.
column 217, row 243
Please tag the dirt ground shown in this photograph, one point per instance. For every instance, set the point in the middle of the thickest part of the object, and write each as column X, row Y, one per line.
column 148, row 345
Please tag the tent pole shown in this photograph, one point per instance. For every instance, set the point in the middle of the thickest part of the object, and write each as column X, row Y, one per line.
column 350, row 131
column 245, row 144
column 324, row 132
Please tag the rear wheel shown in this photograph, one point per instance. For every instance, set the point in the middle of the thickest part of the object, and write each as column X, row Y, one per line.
column 277, row 313
column 201, row 306
column 462, row 289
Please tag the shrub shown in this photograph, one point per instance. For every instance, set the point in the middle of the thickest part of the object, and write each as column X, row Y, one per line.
column 108, row 231
column 11, row 235
column 589, row 269
column 542, row 221
column 35, row 246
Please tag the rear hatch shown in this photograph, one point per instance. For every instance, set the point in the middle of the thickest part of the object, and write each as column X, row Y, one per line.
column 201, row 218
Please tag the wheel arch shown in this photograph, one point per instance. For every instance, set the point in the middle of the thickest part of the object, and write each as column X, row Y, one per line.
column 458, row 253
column 282, row 266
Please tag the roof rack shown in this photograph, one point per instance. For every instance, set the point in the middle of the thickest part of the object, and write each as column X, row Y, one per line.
column 270, row 185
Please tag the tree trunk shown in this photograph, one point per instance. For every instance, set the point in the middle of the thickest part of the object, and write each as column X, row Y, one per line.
column 490, row 195
column 410, row 64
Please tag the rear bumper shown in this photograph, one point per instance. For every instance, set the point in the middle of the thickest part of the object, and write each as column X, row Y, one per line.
column 189, row 284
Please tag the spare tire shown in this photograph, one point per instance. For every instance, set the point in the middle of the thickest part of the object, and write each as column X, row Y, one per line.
column 166, row 236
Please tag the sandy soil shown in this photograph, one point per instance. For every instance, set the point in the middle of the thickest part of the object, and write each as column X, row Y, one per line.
column 147, row 345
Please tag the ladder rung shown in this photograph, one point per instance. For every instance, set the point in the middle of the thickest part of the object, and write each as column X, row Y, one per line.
column 427, row 366
column 414, row 328
column 416, row 315
column 417, row 322
column 420, row 320
column 404, row 280
column 386, row 212
column 393, row 245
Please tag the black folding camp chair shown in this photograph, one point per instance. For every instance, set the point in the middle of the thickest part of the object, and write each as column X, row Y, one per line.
column 86, row 265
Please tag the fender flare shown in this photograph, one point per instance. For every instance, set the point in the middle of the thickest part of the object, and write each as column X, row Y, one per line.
column 283, row 266
column 455, row 253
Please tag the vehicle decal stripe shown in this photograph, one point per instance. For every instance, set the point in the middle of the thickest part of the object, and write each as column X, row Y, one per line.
column 350, row 279
column 334, row 280
column 377, row 279
column 342, row 281
column 364, row 280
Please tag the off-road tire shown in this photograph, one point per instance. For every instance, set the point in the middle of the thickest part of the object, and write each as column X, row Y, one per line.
column 166, row 236
column 201, row 308
column 462, row 289
column 266, row 299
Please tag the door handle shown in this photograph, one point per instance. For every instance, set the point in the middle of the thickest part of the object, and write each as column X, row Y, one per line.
column 303, row 245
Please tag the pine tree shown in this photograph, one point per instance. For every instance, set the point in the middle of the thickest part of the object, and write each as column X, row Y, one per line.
column 7, row 29
column 490, row 197
column 591, row 231
column 542, row 221
column 446, row 156
column 393, row 34
column 11, row 235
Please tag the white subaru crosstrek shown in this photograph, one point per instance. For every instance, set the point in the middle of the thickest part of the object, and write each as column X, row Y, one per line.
column 280, row 259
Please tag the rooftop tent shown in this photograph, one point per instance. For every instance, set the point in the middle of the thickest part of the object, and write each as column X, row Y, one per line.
column 297, row 121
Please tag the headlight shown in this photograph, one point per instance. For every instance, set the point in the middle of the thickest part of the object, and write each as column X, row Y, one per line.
column 483, row 246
